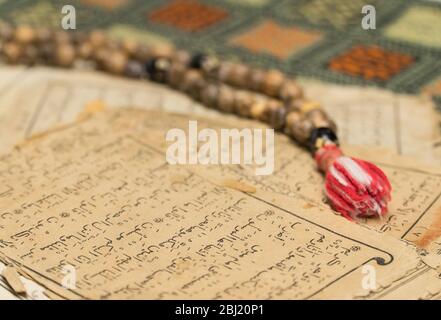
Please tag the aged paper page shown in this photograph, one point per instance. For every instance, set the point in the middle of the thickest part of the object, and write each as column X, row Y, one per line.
column 134, row 227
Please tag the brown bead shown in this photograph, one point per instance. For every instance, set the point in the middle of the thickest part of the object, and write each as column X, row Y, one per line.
column 316, row 116
column 225, row 70
column 143, row 53
column 24, row 34
column 130, row 47
column 272, row 82
column 97, row 38
column 85, row 50
column 256, row 78
column 258, row 109
column 43, row 35
column 225, row 99
column 243, row 102
column 30, row 55
column 275, row 114
column 209, row 95
column 301, row 131
column 176, row 74
column 239, row 75
column 116, row 62
column 210, row 66
column 64, row 55
column 6, row 31
column 290, row 90
column 182, row 57
column 12, row 51
column 162, row 51
column 62, row 37
column 291, row 118
column 192, row 83
column 46, row 51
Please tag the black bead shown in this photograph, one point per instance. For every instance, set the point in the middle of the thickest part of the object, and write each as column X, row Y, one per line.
column 197, row 60
column 327, row 134
column 157, row 69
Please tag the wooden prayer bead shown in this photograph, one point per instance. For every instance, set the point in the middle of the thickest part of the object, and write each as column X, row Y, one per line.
column 301, row 130
column 239, row 75
column 116, row 62
column 192, row 82
column 209, row 95
column 182, row 57
column 6, row 31
column 64, row 55
column 275, row 114
column 85, row 50
column 272, row 82
column 162, row 51
column 224, row 71
column 257, row 109
column 129, row 47
column 243, row 101
column 12, row 52
column 43, row 35
column 256, row 78
column 290, row 91
column 176, row 74
column 225, row 99
column 97, row 39
column 24, row 34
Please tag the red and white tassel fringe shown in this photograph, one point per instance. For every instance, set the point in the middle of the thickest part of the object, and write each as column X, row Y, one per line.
column 355, row 188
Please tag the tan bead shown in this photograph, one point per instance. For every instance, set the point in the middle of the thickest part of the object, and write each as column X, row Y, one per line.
column 116, row 62
column 182, row 57
column 162, row 51
column 209, row 95
column 192, row 83
column 290, row 91
column 64, row 55
column 256, row 78
column 317, row 116
column 12, row 51
column 243, row 101
column 85, row 50
column 239, row 75
column 225, row 70
column 44, row 35
column 6, row 31
column 272, row 82
column 275, row 114
column 24, row 34
column 257, row 109
column 62, row 37
column 225, row 100
column 30, row 55
column 97, row 38
column 176, row 74
column 143, row 53
column 129, row 46
column 292, row 117
column 301, row 130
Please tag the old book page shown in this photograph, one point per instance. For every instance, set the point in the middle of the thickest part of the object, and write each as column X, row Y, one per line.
column 120, row 213
column 132, row 226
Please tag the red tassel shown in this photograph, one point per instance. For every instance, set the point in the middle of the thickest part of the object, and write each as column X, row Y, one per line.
column 355, row 188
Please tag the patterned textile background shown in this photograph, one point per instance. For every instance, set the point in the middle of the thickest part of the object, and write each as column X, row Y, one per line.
column 316, row 38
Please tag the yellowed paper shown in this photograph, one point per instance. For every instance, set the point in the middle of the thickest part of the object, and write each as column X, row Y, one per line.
column 132, row 226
